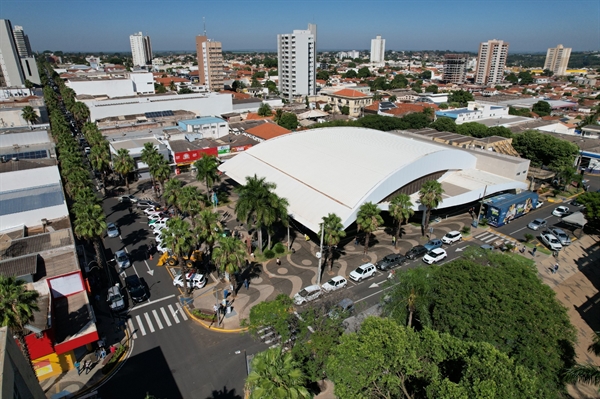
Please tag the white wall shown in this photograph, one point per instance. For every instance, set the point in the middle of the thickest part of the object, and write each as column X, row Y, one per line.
column 110, row 87
column 143, row 82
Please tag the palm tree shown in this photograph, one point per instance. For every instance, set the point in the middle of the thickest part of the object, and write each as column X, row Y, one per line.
column 208, row 229
column 411, row 298
column 401, row 210
column 100, row 160
column 90, row 224
column 172, row 86
column 29, row 115
column 586, row 373
column 81, row 112
column 150, row 157
column 161, row 172
column 123, row 164
column 430, row 196
column 229, row 255
column 178, row 238
column 368, row 220
column 253, row 202
column 277, row 211
column 275, row 374
column 207, row 171
column 190, row 200
column 333, row 232
column 17, row 305
column 172, row 191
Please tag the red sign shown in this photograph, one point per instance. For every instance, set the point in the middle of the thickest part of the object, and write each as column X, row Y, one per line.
column 189, row 157
column 240, row 148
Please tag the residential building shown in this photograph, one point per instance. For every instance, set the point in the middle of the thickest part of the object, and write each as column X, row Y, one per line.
column 22, row 42
column 455, row 68
column 141, row 50
column 491, row 61
column 377, row 50
column 17, row 379
column 11, row 71
column 296, row 56
column 475, row 112
column 354, row 100
column 210, row 63
column 557, row 59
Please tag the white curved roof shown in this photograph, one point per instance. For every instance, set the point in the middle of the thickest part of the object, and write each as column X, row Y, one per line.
column 335, row 170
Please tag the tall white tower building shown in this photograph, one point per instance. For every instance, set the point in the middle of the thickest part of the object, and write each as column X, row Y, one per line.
column 141, row 49
column 491, row 61
column 296, row 58
column 378, row 50
column 11, row 72
column 557, row 59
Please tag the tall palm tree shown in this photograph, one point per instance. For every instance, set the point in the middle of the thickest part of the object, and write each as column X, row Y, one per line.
column 100, row 160
column 29, row 115
column 430, row 196
column 172, row 191
column 275, row 374
column 178, row 238
column 150, row 157
column 277, row 211
column 17, row 305
column 586, row 373
column 230, row 255
column 208, row 229
column 81, row 112
column 90, row 225
column 401, row 210
column 368, row 220
column 207, row 171
column 190, row 200
column 333, row 232
column 411, row 298
column 161, row 171
column 253, row 202
column 123, row 164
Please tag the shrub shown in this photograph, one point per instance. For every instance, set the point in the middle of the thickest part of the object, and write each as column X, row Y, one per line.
column 114, row 359
column 483, row 222
column 269, row 254
column 203, row 316
column 465, row 230
column 279, row 248
column 528, row 237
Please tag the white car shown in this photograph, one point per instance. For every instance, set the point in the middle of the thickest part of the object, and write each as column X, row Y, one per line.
column 307, row 294
column 335, row 283
column 452, row 237
column 128, row 198
column 158, row 224
column 539, row 204
column 551, row 241
column 153, row 210
column 434, row 256
column 194, row 280
column 158, row 216
column 158, row 229
column 160, row 248
column 364, row 271
column 560, row 211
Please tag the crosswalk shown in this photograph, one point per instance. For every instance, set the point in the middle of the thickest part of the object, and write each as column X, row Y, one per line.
column 489, row 237
column 145, row 323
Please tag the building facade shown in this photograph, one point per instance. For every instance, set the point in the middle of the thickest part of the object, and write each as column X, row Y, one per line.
column 557, row 59
column 296, row 59
column 141, row 50
column 455, row 68
column 378, row 50
column 210, row 62
column 22, row 42
column 491, row 61
column 11, row 71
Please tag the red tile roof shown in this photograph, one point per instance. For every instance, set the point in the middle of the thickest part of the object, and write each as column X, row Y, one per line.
column 350, row 93
column 167, row 81
column 268, row 131
column 236, row 95
column 252, row 116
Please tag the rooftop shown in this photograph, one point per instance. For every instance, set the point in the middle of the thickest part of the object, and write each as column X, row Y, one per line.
column 202, row 121
column 267, row 131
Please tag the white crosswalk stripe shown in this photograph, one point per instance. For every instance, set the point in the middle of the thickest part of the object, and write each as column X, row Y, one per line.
column 488, row 237
column 145, row 324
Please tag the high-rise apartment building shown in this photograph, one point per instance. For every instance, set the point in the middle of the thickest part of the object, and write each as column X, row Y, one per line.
column 141, row 50
column 210, row 63
column 491, row 61
column 378, row 50
column 11, row 71
column 22, row 42
column 455, row 68
column 296, row 59
column 557, row 59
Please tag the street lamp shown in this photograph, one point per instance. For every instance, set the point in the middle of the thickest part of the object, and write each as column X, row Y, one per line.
column 320, row 254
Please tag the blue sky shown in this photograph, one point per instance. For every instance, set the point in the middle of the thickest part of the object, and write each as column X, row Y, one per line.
column 92, row 26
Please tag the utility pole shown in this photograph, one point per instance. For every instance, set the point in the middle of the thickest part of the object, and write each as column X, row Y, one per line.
column 480, row 206
column 320, row 254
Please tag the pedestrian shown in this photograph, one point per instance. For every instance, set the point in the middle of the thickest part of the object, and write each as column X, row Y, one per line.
column 393, row 240
column 97, row 353
column 555, row 269
column 113, row 349
column 225, row 293
column 356, row 240
column 78, row 367
column 216, row 308
column 534, row 251
column 102, row 353
column 130, row 209
column 278, row 261
column 246, row 283
column 231, row 289
column 88, row 366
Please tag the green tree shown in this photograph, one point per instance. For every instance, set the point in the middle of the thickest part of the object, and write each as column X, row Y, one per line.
column 185, row 90
column 177, row 236
column 327, row 108
column 230, row 255
column 172, row 191
column 431, row 89
column 430, row 196
column 542, row 108
column 276, row 314
column 237, row 85
column 333, row 232
column 28, row 84
column 400, row 210
column 363, row 73
column 161, row 171
column 288, row 120
column 29, row 114
column 350, row 74
column 368, row 221
column 253, row 203
column 123, row 164
column 17, row 305
column 591, row 201
column 265, row 110
column 90, row 225
column 100, row 160
column 393, row 99
column 190, row 200
column 81, row 113
column 411, row 298
column 544, row 149
column 159, row 88
column 473, row 129
column 150, row 157
column 460, row 96
column 547, row 72
column 444, row 124
column 323, row 75
column 272, row 86
column 207, row 170
column 525, row 78
column 586, row 373
column 351, row 65
column 172, row 86
column 275, row 374
column 208, row 228
column 345, row 110
column 519, row 111
column 276, row 212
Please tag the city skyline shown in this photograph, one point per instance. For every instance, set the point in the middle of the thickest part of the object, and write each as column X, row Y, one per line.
column 434, row 25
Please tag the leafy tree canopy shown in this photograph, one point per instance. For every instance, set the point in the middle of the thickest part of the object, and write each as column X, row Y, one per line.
column 364, row 73
column 460, row 96
column 544, row 149
column 444, row 124
column 288, row 121
column 542, row 108
column 591, row 201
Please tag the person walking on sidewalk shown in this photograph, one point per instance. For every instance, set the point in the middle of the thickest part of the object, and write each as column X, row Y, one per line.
column 555, row 268
column 278, row 261
column 246, row 283
column 88, row 366
column 78, row 367
column 534, row 251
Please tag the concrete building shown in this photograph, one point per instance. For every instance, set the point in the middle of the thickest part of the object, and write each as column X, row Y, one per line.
column 11, row 71
column 354, row 100
column 490, row 62
column 22, row 42
column 455, row 68
column 141, row 50
column 557, row 59
column 378, row 50
column 475, row 112
column 210, row 63
column 113, row 85
column 296, row 56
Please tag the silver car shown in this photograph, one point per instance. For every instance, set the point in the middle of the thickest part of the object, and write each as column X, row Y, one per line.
column 122, row 259
column 537, row 224
column 562, row 236
column 112, row 230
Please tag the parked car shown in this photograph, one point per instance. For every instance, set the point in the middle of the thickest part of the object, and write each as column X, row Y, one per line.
column 160, row 248
column 563, row 237
column 115, row 299
column 137, row 291
column 334, row 284
column 434, row 256
column 576, row 203
column 157, row 218
column 487, row 247
column 122, row 259
column 452, row 237
column 112, row 230
column 416, row 252
column 343, row 308
column 159, row 224
column 158, row 229
column 539, row 204
column 128, row 198
column 535, row 224
column 194, row 280
column 146, row 204
column 307, row 294
column 390, row 261
column 364, row 271
column 551, row 241
column 433, row 244
column 560, row 211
